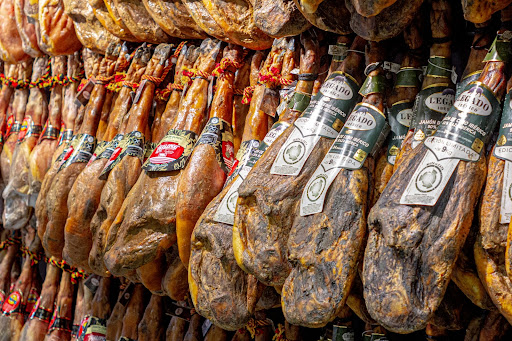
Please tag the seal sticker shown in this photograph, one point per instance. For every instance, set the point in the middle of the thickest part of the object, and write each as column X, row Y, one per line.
column 226, row 211
column 32, row 299
column 364, row 130
column 324, row 117
column 218, row 134
column 49, row 132
column 172, row 152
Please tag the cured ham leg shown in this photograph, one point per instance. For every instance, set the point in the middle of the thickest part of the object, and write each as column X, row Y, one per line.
column 99, row 311
column 14, row 121
column 16, row 211
column 70, row 113
column 325, row 241
column 176, row 330
column 6, row 266
column 150, row 327
column 127, row 159
column 13, row 318
column 79, row 310
column 262, row 219
column 403, row 229
column 134, row 314
column 115, row 321
column 84, row 196
column 41, row 156
column 148, row 216
column 11, row 46
column 222, row 298
column 62, row 319
column 208, row 165
column 75, row 161
column 27, row 30
column 36, row 327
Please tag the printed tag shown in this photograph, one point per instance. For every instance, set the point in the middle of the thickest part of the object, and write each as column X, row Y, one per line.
column 92, row 283
column 80, row 150
column 132, row 144
column 96, row 329
column 461, row 86
column 219, row 135
column 83, row 327
column 338, row 50
column 100, row 148
column 359, row 136
column 32, row 299
column 400, row 117
column 324, row 117
column 12, row 304
column 49, row 132
column 179, row 309
column 342, row 333
column 84, row 94
column 432, row 104
column 206, row 327
column 429, row 180
column 506, row 195
column 10, row 123
column 466, row 128
column 59, row 323
column 503, row 148
column 127, row 294
column 40, row 313
column 140, row 89
column 242, row 157
column 269, row 102
column 409, row 77
column 66, row 135
column 390, row 66
column 226, row 211
column 110, row 147
column 172, row 152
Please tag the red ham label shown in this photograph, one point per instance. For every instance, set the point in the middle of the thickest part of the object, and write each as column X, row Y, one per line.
column 31, row 300
column 13, row 303
column 166, row 152
column 228, row 153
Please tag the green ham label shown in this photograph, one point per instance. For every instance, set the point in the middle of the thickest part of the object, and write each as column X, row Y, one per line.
column 324, row 117
column 400, row 117
column 503, row 148
column 363, row 129
column 431, row 106
column 461, row 135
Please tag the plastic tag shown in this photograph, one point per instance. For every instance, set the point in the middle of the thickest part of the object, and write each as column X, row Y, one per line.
column 506, row 194
column 206, row 327
column 84, row 94
column 92, row 282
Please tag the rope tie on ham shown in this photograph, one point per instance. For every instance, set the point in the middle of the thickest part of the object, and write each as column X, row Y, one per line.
column 11, row 240
column 179, row 48
column 43, row 80
column 224, row 64
column 248, row 91
column 158, row 80
column 279, row 333
column 254, row 326
column 132, row 85
column 34, row 257
column 61, row 264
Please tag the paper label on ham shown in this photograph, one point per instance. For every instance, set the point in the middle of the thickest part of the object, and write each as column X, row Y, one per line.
column 172, row 152
column 409, row 77
column 466, row 128
column 365, row 126
column 461, row 86
column 32, row 299
column 503, row 148
column 431, row 106
column 96, row 329
column 106, row 153
column 49, row 133
column 324, row 117
column 226, row 211
column 218, row 134
column 66, row 135
column 84, row 94
column 58, row 322
column 242, row 157
column 506, row 194
column 40, row 313
column 429, row 180
column 12, row 304
column 83, row 327
column 132, row 144
column 10, row 123
column 80, row 150
column 400, row 116
column 149, row 147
